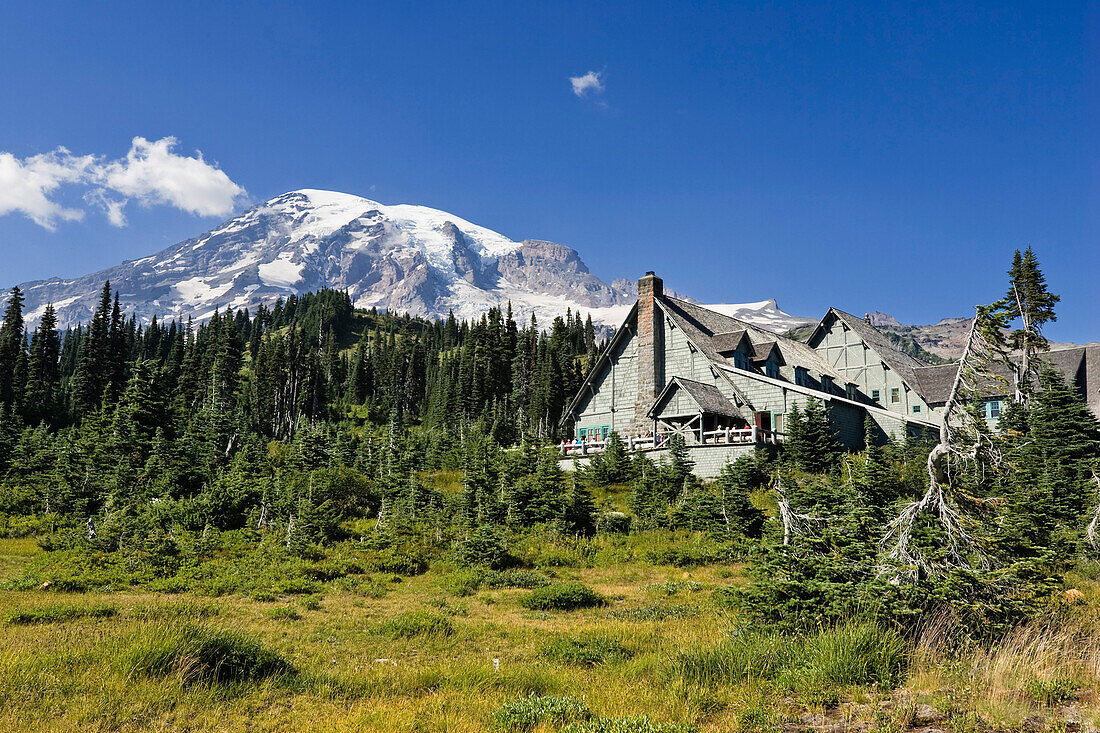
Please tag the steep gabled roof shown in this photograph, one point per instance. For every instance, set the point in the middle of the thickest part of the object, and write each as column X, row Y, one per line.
column 706, row 396
column 899, row 361
column 729, row 341
column 702, row 325
column 764, row 349
column 934, row 382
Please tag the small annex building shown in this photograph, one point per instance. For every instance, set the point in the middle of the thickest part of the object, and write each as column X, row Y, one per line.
column 676, row 367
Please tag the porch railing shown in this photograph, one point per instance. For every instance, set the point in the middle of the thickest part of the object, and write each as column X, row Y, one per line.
column 723, row 436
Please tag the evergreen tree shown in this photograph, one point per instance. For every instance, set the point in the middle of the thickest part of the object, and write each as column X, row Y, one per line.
column 1028, row 300
column 13, row 363
column 93, row 366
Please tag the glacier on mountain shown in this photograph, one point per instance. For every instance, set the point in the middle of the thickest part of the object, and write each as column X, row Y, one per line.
column 403, row 258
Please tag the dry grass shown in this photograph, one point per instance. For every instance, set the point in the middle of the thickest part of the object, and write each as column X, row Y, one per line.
column 1046, row 671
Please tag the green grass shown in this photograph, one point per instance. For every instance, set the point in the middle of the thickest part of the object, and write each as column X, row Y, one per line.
column 853, row 653
column 418, row 624
column 586, row 650
column 660, row 656
column 55, row 613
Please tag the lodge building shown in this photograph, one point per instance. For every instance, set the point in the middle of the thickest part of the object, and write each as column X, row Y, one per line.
column 675, row 367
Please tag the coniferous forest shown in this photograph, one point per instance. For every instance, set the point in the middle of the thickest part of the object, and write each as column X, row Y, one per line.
column 391, row 484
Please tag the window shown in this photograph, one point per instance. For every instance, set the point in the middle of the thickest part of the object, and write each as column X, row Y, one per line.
column 826, row 384
column 800, row 376
column 991, row 410
column 916, row 409
column 772, row 369
column 740, row 361
column 895, row 395
column 850, row 391
column 876, row 395
column 593, row 433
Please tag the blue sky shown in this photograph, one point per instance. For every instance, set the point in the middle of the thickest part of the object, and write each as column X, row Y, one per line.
column 869, row 156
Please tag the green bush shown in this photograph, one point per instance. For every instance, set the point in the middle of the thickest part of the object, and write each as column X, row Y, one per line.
column 563, row 597
column 672, row 587
column 655, row 612
column 497, row 579
column 520, row 716
column 56, row 614
column 627, row 725
column 417, row 623
column 587, row 651
column 1050, row 691
column 199, row 654
column 15, row 526
column 463, row 582
column 613, row 523
column 399, row 562
column 284, row 613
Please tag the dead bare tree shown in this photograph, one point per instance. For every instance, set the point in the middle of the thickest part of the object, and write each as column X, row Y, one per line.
column 1090, row 531
column 795, row 523
column 965, row 442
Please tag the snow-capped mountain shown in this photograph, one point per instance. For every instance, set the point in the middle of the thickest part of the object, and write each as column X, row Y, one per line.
column 765, row 314
column 402, row 258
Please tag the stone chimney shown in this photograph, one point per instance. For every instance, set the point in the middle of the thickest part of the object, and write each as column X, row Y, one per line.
column 651, row 342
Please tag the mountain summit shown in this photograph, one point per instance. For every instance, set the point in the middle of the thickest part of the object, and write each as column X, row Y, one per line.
column 401, row 258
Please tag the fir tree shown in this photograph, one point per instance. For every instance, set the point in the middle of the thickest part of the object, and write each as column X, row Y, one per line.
column 13, row 363
column 1028, row 300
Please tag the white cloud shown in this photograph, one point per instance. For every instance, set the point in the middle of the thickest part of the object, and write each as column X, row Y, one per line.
column 590, row 83
column 26, row 185
column 151, row 174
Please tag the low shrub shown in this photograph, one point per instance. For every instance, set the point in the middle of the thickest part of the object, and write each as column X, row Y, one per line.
column 694, row 555
column 563, row 597
column 16, row 526
column 627, row 725
column 53, row 614
column 613, row 523
column 463, row 582
column 284, row 613
column 672, row 587
column 497, row 579
column 522, row 715
column 1050, row 691
column 655, row 612
column 197, row 654
column 587, row 651
column 399, row 562
column 417, row 623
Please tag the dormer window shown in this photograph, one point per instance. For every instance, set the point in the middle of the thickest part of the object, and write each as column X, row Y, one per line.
column 826, row 384
column 772, row 369
column 740, row 360
column 801, row 376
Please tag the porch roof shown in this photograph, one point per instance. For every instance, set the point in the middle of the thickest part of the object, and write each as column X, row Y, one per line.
column 706, row 396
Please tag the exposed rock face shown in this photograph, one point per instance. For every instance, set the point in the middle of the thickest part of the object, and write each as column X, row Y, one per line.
column 402, row 258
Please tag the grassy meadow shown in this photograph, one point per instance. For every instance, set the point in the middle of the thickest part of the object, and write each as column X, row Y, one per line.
column 660, row 650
